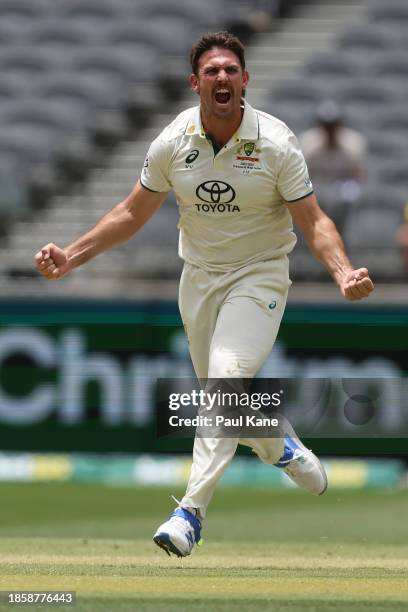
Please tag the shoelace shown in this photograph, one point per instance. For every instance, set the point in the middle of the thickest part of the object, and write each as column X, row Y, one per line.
column 189, row 509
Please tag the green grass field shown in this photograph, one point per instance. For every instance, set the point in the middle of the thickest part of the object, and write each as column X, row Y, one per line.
column 264, row 550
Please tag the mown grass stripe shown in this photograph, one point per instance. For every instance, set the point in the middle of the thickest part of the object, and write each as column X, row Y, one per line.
column 337, row 587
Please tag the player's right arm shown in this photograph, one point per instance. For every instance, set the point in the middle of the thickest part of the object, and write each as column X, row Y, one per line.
column 115, row 228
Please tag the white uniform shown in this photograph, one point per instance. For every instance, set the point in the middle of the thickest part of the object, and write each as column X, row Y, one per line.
column 235, row 234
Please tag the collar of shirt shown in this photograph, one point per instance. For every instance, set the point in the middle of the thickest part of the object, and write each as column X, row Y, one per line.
column 248, row 130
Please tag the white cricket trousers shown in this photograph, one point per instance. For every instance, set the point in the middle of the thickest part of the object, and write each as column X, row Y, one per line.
column 231, row 320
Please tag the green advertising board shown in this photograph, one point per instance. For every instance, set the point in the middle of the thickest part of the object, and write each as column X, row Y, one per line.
column 80, row 375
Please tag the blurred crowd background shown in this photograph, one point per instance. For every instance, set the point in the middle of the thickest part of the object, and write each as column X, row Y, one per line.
column 85, row 85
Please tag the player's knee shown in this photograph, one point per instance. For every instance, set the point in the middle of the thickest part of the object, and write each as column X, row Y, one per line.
column 226, row 363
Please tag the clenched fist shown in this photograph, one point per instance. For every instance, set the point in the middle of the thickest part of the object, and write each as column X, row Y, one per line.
column 52, row 262
column 357, row 285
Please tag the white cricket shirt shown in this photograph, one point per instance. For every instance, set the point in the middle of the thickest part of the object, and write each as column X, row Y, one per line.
column 232, row 209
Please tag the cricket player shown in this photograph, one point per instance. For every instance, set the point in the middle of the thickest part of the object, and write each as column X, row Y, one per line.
column 240, row 179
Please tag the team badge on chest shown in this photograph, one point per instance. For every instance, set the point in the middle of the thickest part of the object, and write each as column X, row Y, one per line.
column 247, row 158
column 249, row 148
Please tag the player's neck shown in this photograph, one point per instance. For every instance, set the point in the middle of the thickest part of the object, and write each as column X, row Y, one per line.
column 221, row 130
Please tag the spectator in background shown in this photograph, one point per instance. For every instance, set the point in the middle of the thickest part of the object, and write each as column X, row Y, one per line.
column 333, row 152
column 336, row 158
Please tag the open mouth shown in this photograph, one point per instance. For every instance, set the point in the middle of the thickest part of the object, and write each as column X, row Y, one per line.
column 222, row 96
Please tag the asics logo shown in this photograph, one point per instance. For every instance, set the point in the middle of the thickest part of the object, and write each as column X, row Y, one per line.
column 215, row 192
column 191, row 157
column 190, row 538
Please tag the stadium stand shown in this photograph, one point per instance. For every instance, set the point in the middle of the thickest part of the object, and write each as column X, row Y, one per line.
column 365, row 73
column 377, row 37
column 368, row 234
column 63, row 63
column 78, row 77
column 393, row 12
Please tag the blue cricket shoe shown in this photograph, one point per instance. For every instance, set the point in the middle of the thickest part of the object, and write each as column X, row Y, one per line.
column 301, row 464
column 179, row 534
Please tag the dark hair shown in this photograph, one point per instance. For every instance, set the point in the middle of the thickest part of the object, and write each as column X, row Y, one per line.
column 224, row 39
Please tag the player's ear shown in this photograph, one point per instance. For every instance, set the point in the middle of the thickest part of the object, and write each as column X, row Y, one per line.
column 245, row 79
column 194, row 83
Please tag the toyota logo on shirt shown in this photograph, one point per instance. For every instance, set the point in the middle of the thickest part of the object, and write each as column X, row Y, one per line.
column 215, row 192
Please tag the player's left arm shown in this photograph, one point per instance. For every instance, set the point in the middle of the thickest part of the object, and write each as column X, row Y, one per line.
column 326, row 244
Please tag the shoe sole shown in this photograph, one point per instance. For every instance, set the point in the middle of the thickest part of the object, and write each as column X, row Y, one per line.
column 291, row 432
column 163, row 541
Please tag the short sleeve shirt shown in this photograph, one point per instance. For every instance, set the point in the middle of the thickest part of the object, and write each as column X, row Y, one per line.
column 231, row 203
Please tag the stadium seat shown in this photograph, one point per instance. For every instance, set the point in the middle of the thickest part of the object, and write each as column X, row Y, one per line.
column 387, row 145
column 305, row 267
column 370, row 239
column 40, row 148
column 393, row 65
column 29, row 61
column 395, row 172
column 95, row 9
column 73, row 72
column 334, row 65
column 365, row 36
column 154, row 249
column 117, row 63
column 30, row 143
column 62, row 33
column 299, row 90
column 356, row 117
column 378, row 195
column 96, row 91
column 345, row 64
column 298, row 117
column 335, row 201
column 200, row 15
column 390, row 12
column 393, row 118
column 376, row 229
column 14, row 200
column 162, row 229
column 167, row 35
column 75, row 157
column 13, row 86
column 12, row 34
column 368, row 93
column 59, row 115
column 20, row 11
column 402, row 37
